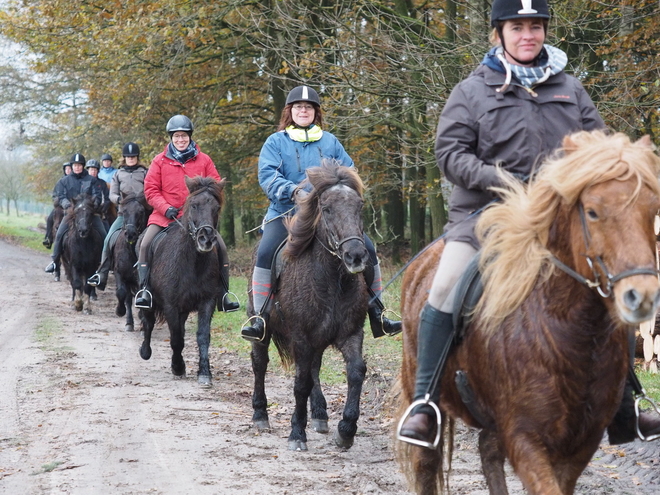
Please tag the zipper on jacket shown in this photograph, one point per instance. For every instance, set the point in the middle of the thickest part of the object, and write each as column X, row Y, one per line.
column 298, row 160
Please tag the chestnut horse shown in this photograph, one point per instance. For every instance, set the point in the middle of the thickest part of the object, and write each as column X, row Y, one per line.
column 321, row 301
column 568, row 266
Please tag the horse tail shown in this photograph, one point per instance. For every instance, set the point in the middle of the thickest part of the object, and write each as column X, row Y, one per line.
column 282, row 344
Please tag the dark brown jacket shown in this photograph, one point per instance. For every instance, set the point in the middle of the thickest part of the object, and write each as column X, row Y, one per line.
column 480, row 127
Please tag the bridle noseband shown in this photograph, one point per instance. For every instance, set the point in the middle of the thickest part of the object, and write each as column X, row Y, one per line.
column 597, row 282
column 333, row 244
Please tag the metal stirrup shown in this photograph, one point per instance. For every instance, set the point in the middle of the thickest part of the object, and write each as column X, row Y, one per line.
column 141, row 291
column 263, row 336
column 638, row 400
column 425, row 401
column 223, row 302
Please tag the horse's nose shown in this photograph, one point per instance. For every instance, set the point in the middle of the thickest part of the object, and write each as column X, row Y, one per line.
column 642, row 305
column 355, row 258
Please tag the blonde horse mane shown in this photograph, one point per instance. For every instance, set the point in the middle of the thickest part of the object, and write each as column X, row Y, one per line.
column 514, row 233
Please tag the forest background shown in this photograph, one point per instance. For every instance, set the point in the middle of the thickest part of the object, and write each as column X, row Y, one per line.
column 89, row 76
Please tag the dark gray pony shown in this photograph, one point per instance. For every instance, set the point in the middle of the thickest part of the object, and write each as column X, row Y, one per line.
column 321, row 301
column 184, row 275
column 135, row 211
column 81, row 250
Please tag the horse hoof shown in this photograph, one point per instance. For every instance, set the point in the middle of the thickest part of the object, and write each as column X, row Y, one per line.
column 78, row 305
column 129, row 328
column 87, row 311
column 120, row 310
column 204, row 380
column 56, row 278
column 262, row 424
column 93, row 297
column 297, row 445
column 180, row 377
column 320, row 425
column 341, row 442
column 145, row 352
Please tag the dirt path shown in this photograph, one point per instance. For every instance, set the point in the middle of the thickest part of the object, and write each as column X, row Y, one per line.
column 82, row 413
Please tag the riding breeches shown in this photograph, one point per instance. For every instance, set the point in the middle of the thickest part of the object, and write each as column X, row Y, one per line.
column 150, row 232
column 453, row 262
column 274, row 233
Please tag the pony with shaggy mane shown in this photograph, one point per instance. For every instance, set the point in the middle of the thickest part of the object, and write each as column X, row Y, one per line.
column 569, row 270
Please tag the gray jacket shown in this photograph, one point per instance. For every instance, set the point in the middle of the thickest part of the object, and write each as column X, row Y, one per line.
column 127, row 180
column 480, row 127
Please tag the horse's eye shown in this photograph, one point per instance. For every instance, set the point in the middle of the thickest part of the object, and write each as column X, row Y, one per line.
column 592, row 214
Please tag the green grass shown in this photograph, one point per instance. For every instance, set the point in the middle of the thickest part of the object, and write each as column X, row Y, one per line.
column 651, row 383
column 27, row 230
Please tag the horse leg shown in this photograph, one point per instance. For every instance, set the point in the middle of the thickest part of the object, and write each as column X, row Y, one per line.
column 87, row 296
column 128, row 304
column 204, row 315
column 148, row 321
column 492, row 462
column 259, row 357
column 356, row 370
column 177, row 323
column 317, row 403
column 302, row 387
column 531, row 464
column 120, row 293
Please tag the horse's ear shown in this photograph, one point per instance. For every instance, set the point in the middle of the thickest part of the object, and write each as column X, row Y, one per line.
column 645, row 142
column 222, row 183
column 569, row 145
column 189, row 182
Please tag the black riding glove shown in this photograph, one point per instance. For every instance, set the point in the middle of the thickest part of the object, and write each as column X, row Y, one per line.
column 172, row 212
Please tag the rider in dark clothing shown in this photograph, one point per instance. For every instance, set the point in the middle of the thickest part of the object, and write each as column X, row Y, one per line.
column 78, row 182
column 48, row 240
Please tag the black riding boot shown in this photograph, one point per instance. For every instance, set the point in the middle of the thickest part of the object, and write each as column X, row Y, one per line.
column 143, row 296
column 380, row 324
column 224, row 303
column 255, row 331
column 434, row 338
column 52, row 266
column 622, row 429
column 100, row 278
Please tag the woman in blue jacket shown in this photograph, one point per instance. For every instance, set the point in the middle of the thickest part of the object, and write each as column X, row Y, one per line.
column 299, row 143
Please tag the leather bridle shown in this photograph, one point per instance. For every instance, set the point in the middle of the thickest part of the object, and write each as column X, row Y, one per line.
column 597, row 262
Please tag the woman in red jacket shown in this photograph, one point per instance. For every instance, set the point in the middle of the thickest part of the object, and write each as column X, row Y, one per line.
column 165, row 190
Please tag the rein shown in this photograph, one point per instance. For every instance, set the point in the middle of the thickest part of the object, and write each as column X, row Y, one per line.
column 193, row 230
column 597, row 282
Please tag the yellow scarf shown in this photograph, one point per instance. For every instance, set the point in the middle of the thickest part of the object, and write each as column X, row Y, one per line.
column 311, row 134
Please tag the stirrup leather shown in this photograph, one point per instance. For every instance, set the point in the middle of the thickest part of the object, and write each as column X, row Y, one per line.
column 654, row 406
column 421, row 443
column 246, row 324
column 140, row 292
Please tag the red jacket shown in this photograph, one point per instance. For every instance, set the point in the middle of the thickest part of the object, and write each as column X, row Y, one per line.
column 165, row 186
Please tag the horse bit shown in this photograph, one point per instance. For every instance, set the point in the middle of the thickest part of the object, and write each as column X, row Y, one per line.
column 605, row 293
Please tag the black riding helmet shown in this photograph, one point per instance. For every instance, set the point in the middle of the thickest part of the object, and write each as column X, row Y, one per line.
column 78, row 158
column 64, row 166
column 303, row 93
column 180, row 123
column 106, row 156
column 503, row 10
column 130, row 149
column 93, row 164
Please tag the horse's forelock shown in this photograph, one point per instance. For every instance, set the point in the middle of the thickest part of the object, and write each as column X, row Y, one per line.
column 199, row 185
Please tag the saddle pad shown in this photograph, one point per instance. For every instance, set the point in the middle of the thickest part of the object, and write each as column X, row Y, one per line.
column 469, row 290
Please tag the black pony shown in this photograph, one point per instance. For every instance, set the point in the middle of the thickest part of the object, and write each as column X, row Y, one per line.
column 81, row 250
column 184, row 275
column 135, row 211
column 321, row 301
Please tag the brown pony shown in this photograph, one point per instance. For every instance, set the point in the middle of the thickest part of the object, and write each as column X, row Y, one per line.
column 568, row 266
